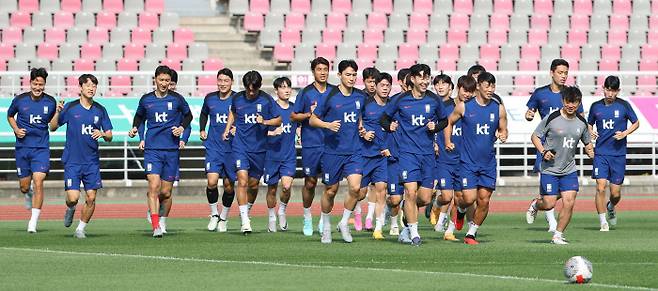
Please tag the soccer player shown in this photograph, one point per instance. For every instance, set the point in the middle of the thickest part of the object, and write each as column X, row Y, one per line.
column 29, row 115
column 474, row 71
column 369, row 80
column 556, row 137
column 167, row 115
column 483, row 121
column 547, row 100
column 312, row 138
column 611, row 116
column 420, row 116
column 219, row 159
column 280, row 158
column 375, row 152
column 86, row 122
column 370, row 76
column 252, row 111
column 339, row 115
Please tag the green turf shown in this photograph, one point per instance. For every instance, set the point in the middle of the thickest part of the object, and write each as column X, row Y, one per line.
column 197, row 259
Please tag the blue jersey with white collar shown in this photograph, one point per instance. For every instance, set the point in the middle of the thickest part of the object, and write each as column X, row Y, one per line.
column 452, row 157
column 608, row 120
column 33, row 116
column 479, row 125
column 347, row 109
column 311, row 136
column 371, row 117
column 162, row 115
column 282, row 147
column 217, row 110
column 250, row 136
column 80, row 122
column 413, row 116
column 545, row 101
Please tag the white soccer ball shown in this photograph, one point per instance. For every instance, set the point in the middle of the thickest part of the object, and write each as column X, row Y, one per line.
column 578, row 270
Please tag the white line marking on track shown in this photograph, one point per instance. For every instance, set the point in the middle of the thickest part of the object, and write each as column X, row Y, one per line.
column 264, row 263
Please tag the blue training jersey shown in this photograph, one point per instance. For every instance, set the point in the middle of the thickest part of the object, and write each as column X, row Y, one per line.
column 80, row 123
column 347, row 109
column 250, row 136
column 479, row 125
column 33, row 116
column 414, row 114
column 217, row 111
column 282, row 147
column 371, row 117
column 393, row 137
column 311, row 136
column 446, row 157
column 162, row 115
column 545, row 101
column 610, row 119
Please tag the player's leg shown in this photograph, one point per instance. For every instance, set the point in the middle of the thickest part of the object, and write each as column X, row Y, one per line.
column 284, row 198
column 241, row 195
column 450, row 231
column 481, row 212
column 372, row 205
column 87, row 212
column 212, row 195
column 37, row 200
column 154, row 184
column 71, row 200
column 25, row 185
column 24, row 172
column 600, row 201
column 270, row 198
column 227, row 200
column 252, row 191
column 616, row 180
column 166, row 188
column 358, row 218
column 327, row 204
column 615, row 197
column 311, row 158
column 568, row 202
column 380, row 204
column 443, row 202
column 353, row 196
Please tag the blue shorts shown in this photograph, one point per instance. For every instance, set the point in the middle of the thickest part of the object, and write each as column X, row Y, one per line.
column 394, row 186
column 311, row 161
column 448, row 177
column 609, row 167
column 537, row 167
column 474, row 176
column 89, row 174
column 162, row 162
column 417, row 168
column 554, row 185
column 275, row 170
column 32, row 160
column 221, row 163
column 374, row 170
column 254, row 163
column 337, row 167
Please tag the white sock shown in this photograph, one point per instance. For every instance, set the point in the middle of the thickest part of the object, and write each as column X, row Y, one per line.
column 557, row 233
column 244, row 213
column 379, row 223
column 272, row 214
column 394, row 221
column 357, row 208
column 224, row 214
column 371, row 210
column 81, row 225
column 346, row 216
column 326, row 221
column 35, row 214
column 163, row 219
column 472, row 229
column 307, row 213
column 213, row 209
column 461, row 210
column 602, row 218
column 413, row 230
column 250, row 205
column 451, row 227
column 282, row 208
column 550, row 216
column 533, row 206
column 442, row 218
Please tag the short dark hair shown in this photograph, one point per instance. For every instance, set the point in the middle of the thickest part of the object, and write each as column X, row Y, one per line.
column 486, row 77
column 174, row 76
column 558, row 62
column 319, row 61
column 38, row 72
column 87, row 77
column 467, row 82
column 571, row 94
column 384, row 76
column 402, row 74
column 163, row 70
column 475, row 70
column 344, row 64
column 370, row 72
column 416, row 69
column 612, row 82
column 252, row 79
column 278, row 82
column 227, row 72
column 443, row 78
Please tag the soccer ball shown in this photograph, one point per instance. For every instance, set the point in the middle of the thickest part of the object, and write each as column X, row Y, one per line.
column 578, row 270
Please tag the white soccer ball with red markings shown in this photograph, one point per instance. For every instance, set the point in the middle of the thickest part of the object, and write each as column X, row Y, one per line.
column 578, row 270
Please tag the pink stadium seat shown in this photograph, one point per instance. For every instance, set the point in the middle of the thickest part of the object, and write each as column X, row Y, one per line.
column 423, row 6
column 463, row 6
column 446, row 65
column 83, row 65
column 580, row 21
column 537, row 36
column 325, row 50
column 459, row 21
column 12, row 35
column 127, row 65
column 608, row 65
column 114, row 6
column 653, row 36
column 98, row 35
column 544, row 7
column 653, row 21
column 113, row 93
column 582, row 7
column 524, row 82
column 295, row 21
column 140, row 36
column 416, row 36
column 3, row 65
column 617, row 37
column 64, row 20
column 336, row 21
column 570, row 52
column 291, row 36
column 20, row 19
column 155, row 6
column 490, row 51
column 527, row 64
column 183, row 36
column 377, row 20
column 647, row 83
column 283, row 52
column 373, row 36
column 176, row 52
column 497, row 36
column 133, row 51
column 648, row 65
column 577, row 37
column 383, row 6
column 490, row 64
column 408, row 51
column 332, row 36
column 47, row 51
column 618, row 21
column 212, row 64
column 404, row 63
column 28, row 6
column 611, row 52
column 449, row 51
column 121, row 84
column 367, row 51
column 503, row 7
column 90, row 51
column 530, row 51
column 300, row 6
column 341, row 6
column 457, row 36
column 72, row 6
column 253, row 21
column 500, row 21
column 540, row 21
column 148, row 20
column 6, row 52
column 206, row 84
column 649, row 52
column 259, row 6
column 171, row 63
column 419, row 21
column 106, row 19
column 622, row 7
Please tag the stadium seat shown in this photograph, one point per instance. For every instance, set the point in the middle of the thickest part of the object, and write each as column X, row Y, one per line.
column 423, row 6
column 71, row 6
column 32, row 36
column 332, row 37
column 356, row 21
column 419, row 21
column 280, row 6
column 12, row 35
column 345, row 51
column 458, row 21
column 238, row 7
column 401, row 21
column 25, row 51
column 463, row 6
column 69, row 52
column 611, row 52
column 617, row 37
column 490, row 51
column 503, row 7
column 176, row 52
column 133, row 51
column 85, row 20
column 436, row 36
column 113, row 6
column 42, row 20
column 295, row 21
column 301, row 6
column 120, row 35
column 608, row 65
column 169, row 21
column 121, row 84
column 83, row 65
column 6, row 52
column 367, row 51
column 377, row 20
column 446, row 64
column 173, row 64
column 148, row 20
column 325, row 50
column 274, row 21
column 213, row 64
column 570, row 52
column 619, row 22
column 457, row 36
column 192, row 65
column 136, row 6
column 543, row 7
column 47, row 51
column 259, row 6
column 28, row 6
column 291, row 36
column 497, row 36
column 106, row 65
column 63, row 20
column 156, row 6
column 382, row 6
column 283, row 53
column 106, row 20
column 62, row 65
column 449, row 51
column 253, row 22
column 373, row 36
column 155, row 52
column 480, row 22
column 183, row 36
column 353, row 36
column 537, row 36
column 403, row 63
column 20, row 19
column 112, row 51
column 49, row 6
column 341, row 6
column 408, row 51
column 90, row 51
column 580, row 21
column 98, row 36
column 336, row 21
column 416, row 36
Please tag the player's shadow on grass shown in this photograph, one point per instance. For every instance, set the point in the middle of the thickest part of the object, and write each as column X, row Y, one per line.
column 592, row 229
column 540, row 241
column 542, row 229
column 89, row 236
column 25, row 231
